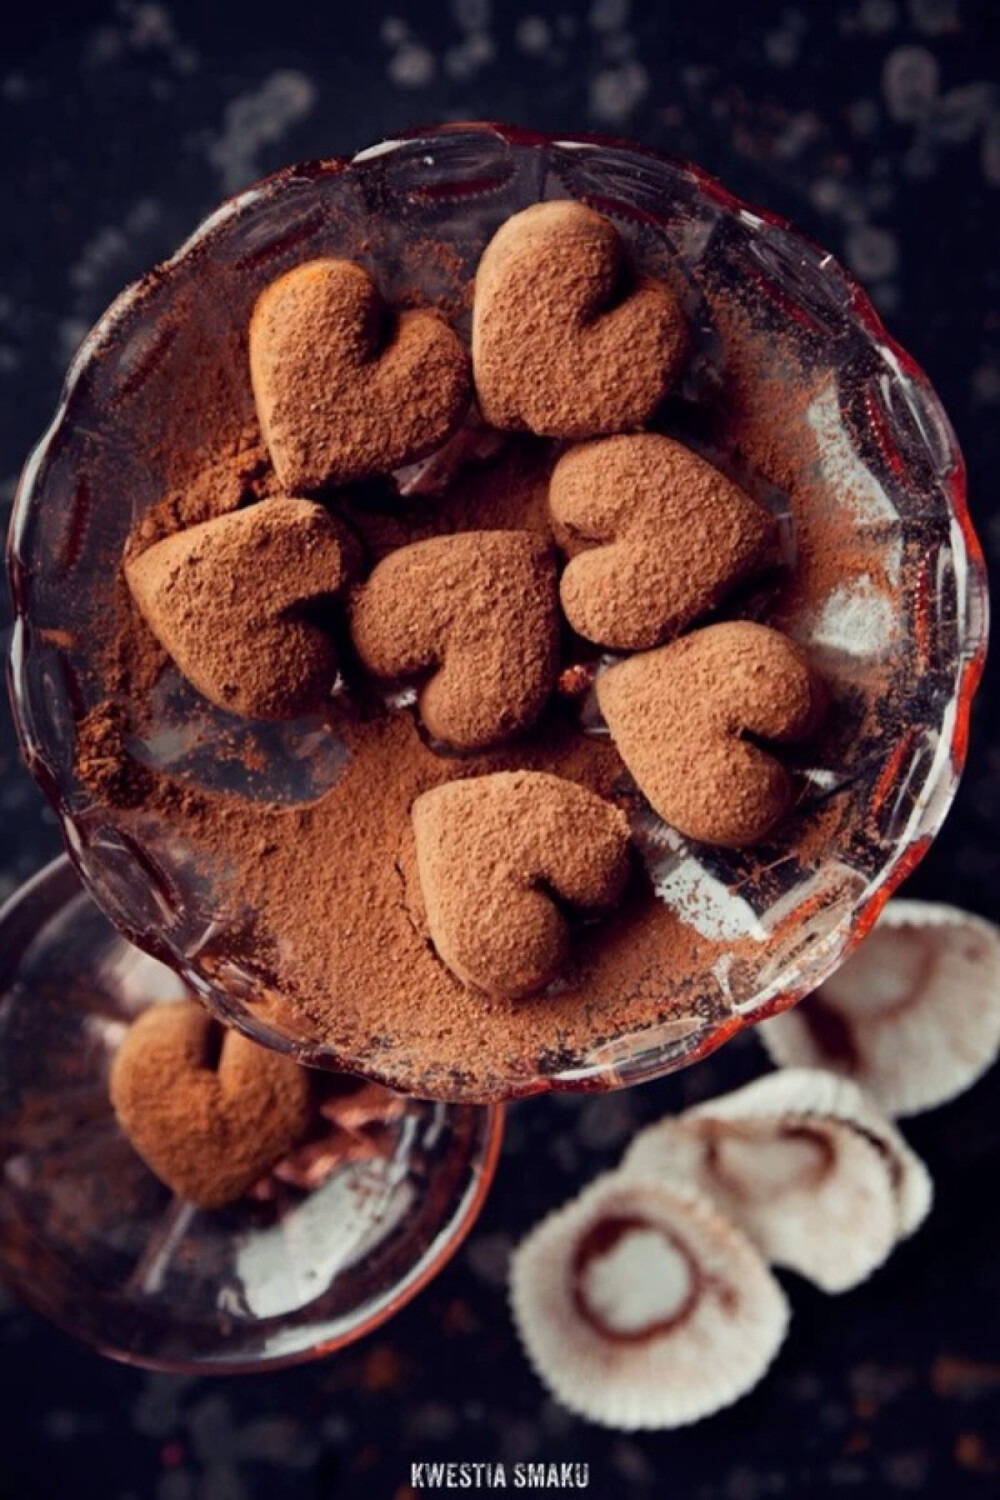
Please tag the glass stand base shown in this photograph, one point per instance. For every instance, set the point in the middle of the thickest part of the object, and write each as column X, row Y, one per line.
column 96, row 1243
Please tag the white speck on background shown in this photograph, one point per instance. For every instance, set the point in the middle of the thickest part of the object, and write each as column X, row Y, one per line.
column 105, row 45
column 412, row 66
column 781, row 48
column 618, row 44
column 488, row 1256
column 111, row 244
column 151, row 29
column 934, row 17
column 910, row 77
column 394, row 31
column 15, row 88
column 606, row 1122
column 609, row 15
column 533, row 35
column 960, row 112
column 985, row 386
column 472, row 15
column 907, row 1471
column 991, row 152
column 829, row 195
column 615, row 92
column 631, row 1463
column 475, row 52
column 877, row 16
column 871, row 252
column 145, row 26
column 885, row 295
column 254, row 120
column 799, row 131
column 863, row 116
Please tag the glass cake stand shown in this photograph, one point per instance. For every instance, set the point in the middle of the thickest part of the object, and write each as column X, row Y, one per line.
column 897, row 628
column 92, row 1240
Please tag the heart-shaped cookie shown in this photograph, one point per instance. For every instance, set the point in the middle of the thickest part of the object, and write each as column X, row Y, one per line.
column 565, row 342
column 345, row 389
column 479, row 612
column 686, row 719
column 497, row 855
column 656, row 536
column 208, row 1119
column 230, row 600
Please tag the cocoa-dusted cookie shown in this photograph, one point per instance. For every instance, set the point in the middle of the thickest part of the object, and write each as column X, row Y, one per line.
column 498, row 856
column 566, row 342
column 346, row 388
column 230, row 601
column 208, row 1114
column 687, row 718
column 478, row 613
column 655, row 537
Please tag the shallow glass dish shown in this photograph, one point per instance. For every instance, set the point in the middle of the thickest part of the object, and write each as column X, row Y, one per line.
column 93, row 1241
column 796, row 389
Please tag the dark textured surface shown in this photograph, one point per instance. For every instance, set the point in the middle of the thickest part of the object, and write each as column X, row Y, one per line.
column 876, row 125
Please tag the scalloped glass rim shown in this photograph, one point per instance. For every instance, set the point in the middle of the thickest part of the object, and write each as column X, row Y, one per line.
column 658, row 1050
column 48, row 895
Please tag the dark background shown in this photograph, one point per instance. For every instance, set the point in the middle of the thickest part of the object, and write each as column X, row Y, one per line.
column 876, row 125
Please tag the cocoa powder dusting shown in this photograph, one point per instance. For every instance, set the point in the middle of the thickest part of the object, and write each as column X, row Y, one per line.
column 328, row 927
column 323, row 910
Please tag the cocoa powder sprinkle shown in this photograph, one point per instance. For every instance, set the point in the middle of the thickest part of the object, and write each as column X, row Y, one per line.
column 319, row 903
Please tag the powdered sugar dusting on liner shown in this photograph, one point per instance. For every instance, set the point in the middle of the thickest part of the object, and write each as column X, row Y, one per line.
column 914, row 1016
column 640, row 1307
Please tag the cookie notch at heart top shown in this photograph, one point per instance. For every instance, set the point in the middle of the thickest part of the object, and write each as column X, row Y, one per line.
column 476, row 611
column 655, row 535
column 686, row 719
column 494, row 856
column 346, row 389
column 230, row 601
column 562, row 344
column 209, row 1128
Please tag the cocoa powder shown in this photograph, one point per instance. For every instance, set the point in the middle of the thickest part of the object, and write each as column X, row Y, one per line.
column 320, row 901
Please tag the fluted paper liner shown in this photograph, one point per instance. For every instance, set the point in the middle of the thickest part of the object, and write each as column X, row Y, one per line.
column 913, row 1016
column 805, row 1164
column 639, row 1306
